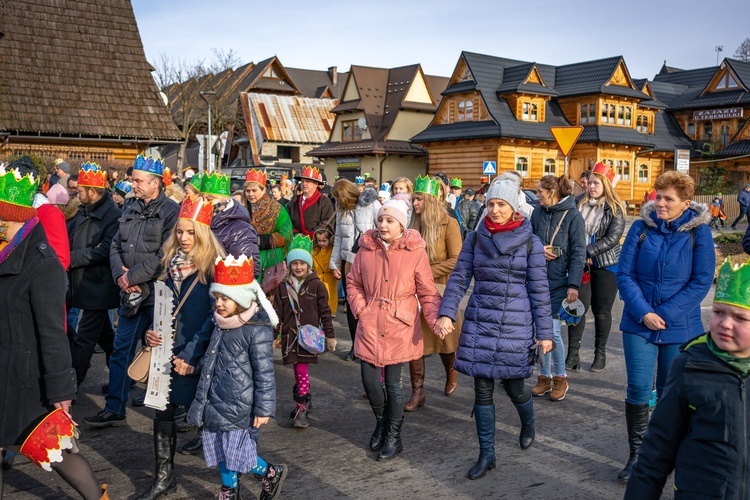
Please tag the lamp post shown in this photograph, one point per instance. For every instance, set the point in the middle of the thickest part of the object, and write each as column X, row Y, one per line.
column 208, row 156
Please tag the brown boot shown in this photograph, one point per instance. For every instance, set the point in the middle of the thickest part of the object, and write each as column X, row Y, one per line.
column 559, row 388
column 543, row 386
column 416, row 371
column 451, row 375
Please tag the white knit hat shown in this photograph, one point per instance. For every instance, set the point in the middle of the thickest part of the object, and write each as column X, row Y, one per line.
column 243, row 294
column 504, row 190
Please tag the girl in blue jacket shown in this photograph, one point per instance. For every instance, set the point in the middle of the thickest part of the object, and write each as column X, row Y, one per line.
column 237, row 392
column 666, row 268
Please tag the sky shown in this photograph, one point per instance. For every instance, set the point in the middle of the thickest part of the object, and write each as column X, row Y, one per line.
column 389, row 34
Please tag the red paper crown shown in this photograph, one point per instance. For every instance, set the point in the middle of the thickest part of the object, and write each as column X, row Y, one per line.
column 602, row 169
column 311, row 173
column 234, row 272
column 197, row 209
column 46, row 442
column 256, row 176
column 166, row 177
column 92, row 175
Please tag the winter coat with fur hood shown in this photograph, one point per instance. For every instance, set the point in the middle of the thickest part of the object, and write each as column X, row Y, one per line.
column 667, row 271
column 351, row 225
column 382, row 289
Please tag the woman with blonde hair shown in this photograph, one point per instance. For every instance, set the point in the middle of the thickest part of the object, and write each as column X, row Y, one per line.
column 402, row 185
column 604, row 217
column 442, row 236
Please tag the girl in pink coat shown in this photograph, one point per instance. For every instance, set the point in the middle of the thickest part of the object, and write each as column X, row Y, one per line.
column 391, row 270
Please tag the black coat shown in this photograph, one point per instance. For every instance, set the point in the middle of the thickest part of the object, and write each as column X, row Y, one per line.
column 605, row 250
column 90, row 233
column 35, row 363
column 700, row 429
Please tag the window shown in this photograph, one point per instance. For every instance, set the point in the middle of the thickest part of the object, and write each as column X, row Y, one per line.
column 641, row 124
column 708, row 130
column 549, row 166
column 724, row 135
column 726, row 83
column 530, row 111
column 691, row 129
column 522, row 166
column 642, row 173
column 288, row 153
column 623, row 168
column 270, row 73
column 466, row 111
column 621, row 115
column 608, row 114
column 584, row 113
column 350, row 131
column 592, row 113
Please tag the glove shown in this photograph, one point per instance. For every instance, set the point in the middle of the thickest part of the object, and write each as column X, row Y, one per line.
column 331, row 344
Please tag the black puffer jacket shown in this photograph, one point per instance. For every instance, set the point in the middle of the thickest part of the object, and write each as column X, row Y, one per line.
column 237, row 380
column 234, row 230
column 605, row 250
column 700, row 429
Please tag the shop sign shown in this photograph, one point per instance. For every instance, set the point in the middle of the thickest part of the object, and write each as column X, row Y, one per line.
column 717, row 114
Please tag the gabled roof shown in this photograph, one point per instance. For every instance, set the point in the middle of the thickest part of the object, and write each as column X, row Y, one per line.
column 256, row 81
column 282, row 118
column 736, row 148
column 78, row 69
column 742, row 70
column 515, row 80
column 593, row 77
column 313, row 83
column 688, row 77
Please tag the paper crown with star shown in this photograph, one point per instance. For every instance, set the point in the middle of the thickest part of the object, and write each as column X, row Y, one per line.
column 91, row 175
column 17, row 189
column 426, row 185
column 46, row 442
column 149, row 164
column 733, row 285
column 216, row 183
column 456, row 182
column 197, row 209
column 257, row 176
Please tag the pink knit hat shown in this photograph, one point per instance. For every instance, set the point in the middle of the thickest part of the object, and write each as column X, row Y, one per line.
column 396, row 209
column 58, row 195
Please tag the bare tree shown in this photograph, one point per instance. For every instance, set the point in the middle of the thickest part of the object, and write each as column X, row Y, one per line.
column 743, row 51
column 223, row 59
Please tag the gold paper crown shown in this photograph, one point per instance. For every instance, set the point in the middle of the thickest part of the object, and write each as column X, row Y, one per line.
column 733, row 285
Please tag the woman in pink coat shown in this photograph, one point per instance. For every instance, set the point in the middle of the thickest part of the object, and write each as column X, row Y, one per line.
column 389, row 272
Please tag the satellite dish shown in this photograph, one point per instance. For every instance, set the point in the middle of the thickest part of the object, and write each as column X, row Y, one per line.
column 164, row 98
column 362, row 124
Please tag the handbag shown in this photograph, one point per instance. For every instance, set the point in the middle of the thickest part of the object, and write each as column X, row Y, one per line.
column 274, row 275
column 139, row 367
column 309, row 337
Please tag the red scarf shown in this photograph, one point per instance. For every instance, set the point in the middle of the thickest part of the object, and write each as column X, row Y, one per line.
column 513, row 223
column 309, row 202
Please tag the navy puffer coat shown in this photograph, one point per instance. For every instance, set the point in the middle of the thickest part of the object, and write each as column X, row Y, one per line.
column 237, row 381
column 510, row 300
column 234, row 230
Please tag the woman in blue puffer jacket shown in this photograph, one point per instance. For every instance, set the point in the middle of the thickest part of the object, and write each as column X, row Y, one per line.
column 509, row 302
column 666, row 269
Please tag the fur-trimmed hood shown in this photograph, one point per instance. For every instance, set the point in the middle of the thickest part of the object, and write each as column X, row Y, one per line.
column 694, row 216
column 367, row 197
column 411, row 240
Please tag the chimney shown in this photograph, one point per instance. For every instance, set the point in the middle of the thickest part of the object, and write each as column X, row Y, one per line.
column 333, row 74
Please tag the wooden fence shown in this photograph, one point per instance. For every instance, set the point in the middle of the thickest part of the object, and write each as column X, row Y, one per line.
column 731, row 206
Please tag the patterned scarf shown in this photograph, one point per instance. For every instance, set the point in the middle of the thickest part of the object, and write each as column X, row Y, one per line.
column 264, row 214
column 22, row 233
column 180, row 267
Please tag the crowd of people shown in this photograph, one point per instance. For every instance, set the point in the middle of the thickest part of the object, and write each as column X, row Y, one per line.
column 268, row 267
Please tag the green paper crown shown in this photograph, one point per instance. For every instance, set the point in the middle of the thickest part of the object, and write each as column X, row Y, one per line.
column 196, row 181
column 215, row 183
column 17, row 190
column 303, row 242
column 427, row 185
column 457, row 183
column 733, row 285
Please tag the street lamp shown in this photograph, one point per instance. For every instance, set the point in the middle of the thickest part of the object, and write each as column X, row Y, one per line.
column 203, row 94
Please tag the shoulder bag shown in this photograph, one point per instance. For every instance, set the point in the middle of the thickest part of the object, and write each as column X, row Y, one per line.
column 309, row 337
column 274, row 275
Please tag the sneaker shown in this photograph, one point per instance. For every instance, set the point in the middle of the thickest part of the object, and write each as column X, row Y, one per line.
column 543, row 386
column 272, row 480
column 559, row 388
column 105, row 418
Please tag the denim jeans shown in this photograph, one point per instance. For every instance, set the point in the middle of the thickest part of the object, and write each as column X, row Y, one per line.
column 643, row 360
column 557, row 356
column 129, row 331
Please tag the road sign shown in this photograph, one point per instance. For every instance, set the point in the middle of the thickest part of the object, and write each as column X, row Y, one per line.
column 682, row 160
column 489, row 168
column 566, row 137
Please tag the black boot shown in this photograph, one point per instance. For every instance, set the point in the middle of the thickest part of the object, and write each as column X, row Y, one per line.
column 272, row 481
column 300, row 412
column 573, row 360
column 600, row 352
column 378, row 436
column 226, row 493
column 484, row 415
column 392, row 445
column 165, row 442
column 140, row 400
column 194, row 446
column 526, row 413
column 636, row 417
column 295, row 395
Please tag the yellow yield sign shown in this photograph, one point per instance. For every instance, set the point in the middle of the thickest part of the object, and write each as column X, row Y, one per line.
column 566, row 137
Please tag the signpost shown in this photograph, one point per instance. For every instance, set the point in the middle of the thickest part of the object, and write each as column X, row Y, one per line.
column 682, row 160
column 489, row 168
column 566, row 138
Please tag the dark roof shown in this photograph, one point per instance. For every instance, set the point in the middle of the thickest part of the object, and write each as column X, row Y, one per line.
column 668, row 134
column 78, row 69
column 688, row 77
column 668, row 69
column 458, row 131
column 742, row 70
column 514, row 78
column 312, row 83
column 614, row 135
column 368, row 147
column 736, row 148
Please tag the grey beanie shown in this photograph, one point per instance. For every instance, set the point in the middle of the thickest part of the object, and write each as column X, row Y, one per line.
column 504, row 190
column 64, row 166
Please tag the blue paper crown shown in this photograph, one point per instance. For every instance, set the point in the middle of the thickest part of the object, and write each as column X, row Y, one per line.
column 385, row 187
column 359, row 179
column 149, row 164
column 124, row 186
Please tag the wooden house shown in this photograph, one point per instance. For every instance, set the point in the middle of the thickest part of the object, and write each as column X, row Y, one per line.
column 75, row 83
column 380, row 110
column 501, row 110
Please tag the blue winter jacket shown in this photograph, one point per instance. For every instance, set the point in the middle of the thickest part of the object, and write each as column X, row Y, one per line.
column 237, row 381
column 234, row 230
column 510, row 300
column 668, row 273
column 744, row 198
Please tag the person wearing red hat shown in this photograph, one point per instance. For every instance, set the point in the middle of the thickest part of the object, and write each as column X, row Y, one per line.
column 310, row 209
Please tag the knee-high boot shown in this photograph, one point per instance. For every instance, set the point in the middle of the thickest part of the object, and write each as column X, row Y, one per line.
column 484, row 415
column 526, row 414
column 636, row 417
column 575, row 334
column 600, row 352
column 381, row 425
column 394, row 415
column 165, row 442
column 451, row 375
column 416, row 371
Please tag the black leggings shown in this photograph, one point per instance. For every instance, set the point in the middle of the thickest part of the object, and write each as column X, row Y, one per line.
column 393, row 396
column 515, row 388
column 350, row 319
column 166, row 415
column 599, row 294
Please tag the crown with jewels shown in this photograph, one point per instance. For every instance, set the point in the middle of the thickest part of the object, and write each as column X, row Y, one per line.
column 46, row 442
column 234, row 272
column 167, row 177
column 149, row 164
column 605, row 170
column 216, row 183
column 17, row 189
column 311, row 173
column 123, row 187
column 733, row 285
column 256, row 176
column 302, row 242
column 360, row 179
column 197, row 209
column 91, row 175
column 426, row 185
column 456, row 182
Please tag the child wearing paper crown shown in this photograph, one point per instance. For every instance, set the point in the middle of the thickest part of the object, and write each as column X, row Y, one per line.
column 699, row 426
column 237, row 392
column 310, row 307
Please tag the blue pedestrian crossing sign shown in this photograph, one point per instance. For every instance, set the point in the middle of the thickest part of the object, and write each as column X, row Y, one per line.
column 489, row 167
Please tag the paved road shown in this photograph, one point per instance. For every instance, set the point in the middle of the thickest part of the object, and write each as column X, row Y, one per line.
column 581, row 441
